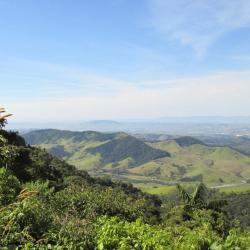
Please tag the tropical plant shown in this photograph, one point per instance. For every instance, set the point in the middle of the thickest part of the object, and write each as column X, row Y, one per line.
column 3, row 116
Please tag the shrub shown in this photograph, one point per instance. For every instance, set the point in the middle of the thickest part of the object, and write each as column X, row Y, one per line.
column 26, row 220
column 9, row 187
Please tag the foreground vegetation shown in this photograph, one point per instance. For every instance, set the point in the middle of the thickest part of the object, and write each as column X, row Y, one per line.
column 46, row 203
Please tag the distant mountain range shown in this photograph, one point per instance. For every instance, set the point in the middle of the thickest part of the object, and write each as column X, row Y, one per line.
column 170, row 125
column 125, row 157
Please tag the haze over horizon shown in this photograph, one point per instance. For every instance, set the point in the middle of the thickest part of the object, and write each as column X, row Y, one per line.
column 120, row 59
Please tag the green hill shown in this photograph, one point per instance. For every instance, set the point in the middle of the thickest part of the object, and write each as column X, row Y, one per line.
column 213, row 165
column 127, row 158
column 127, row 147
column 93, row 150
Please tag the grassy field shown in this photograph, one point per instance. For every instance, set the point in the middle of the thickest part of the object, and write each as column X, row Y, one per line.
column 236, row 189
column 172, row 190
column 163, row 190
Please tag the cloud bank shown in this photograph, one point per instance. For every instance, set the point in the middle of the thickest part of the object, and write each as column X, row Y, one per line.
column 225, row 93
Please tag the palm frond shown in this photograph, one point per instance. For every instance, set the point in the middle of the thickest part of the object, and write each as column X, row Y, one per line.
column 3, row 116
column 200, row 195
column 185, row 196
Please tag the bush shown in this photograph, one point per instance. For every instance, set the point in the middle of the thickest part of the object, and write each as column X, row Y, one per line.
column 114, row 233
column 87, row 201
column 9, row 187
column 26, row 220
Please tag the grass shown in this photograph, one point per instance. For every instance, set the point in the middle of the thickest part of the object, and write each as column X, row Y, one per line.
column 241, row 188
column 172, row 190
column 162, row 190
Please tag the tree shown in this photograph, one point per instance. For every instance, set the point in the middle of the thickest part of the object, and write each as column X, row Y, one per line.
column 199, row 198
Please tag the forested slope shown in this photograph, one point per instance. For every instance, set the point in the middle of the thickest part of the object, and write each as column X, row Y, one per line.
column 45, row 203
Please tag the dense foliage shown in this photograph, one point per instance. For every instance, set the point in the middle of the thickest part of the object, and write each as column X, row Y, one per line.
column 238, row 207
column 46, row 203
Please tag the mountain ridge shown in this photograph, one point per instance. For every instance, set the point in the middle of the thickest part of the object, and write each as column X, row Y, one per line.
column 105, row 147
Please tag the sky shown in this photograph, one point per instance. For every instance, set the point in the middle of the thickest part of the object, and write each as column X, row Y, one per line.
column 79, row 60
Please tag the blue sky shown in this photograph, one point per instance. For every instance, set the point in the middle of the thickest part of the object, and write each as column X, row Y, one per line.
column 119, row 59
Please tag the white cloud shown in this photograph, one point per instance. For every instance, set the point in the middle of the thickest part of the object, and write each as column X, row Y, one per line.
column 225, row 93
column 198, row 23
